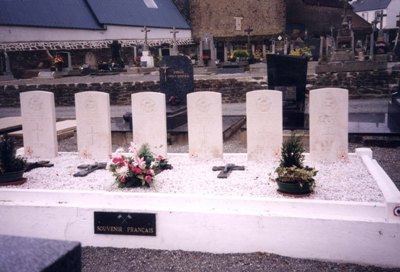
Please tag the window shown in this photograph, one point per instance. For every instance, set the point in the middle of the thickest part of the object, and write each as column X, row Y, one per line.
column 150, row 3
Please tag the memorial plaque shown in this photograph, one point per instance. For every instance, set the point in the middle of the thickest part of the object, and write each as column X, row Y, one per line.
column 289, row 75
column 176, row 78
column 120, row 223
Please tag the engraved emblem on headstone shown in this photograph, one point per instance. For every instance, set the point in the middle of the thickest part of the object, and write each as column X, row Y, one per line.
column 35, row 104
column 202, row 104
column 263, row 104
column 147, row 105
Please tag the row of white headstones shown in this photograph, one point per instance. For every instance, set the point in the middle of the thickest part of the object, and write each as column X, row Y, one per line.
column 328, row 111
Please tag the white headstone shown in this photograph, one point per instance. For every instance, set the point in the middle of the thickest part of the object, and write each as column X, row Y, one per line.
column 91, row 60
column 93, row 125
column 205, row 125
column 329, row 124
column 39, row 124
column 264, row 124
column 149, row 121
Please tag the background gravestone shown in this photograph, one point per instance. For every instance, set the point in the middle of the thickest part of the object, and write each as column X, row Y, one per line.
column 23, row 254
column 176, row 77
column 289, row 75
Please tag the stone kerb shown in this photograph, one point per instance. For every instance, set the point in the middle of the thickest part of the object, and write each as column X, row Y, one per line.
column 205, row 135
column 149, row 121
column 39, row 124
column 264, row 124
column 328, row 124
column 93, row 125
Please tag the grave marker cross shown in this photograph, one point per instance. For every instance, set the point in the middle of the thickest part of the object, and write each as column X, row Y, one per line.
column 164, row 68
column 248, row 31
column 227, row 169
column 145, row 30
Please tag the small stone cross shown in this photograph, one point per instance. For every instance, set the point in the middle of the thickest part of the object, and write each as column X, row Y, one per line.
column 164, row 68
column 174, row 31
column 174, row 45
column 86, row 169
column 227, row 169
column 145, row 30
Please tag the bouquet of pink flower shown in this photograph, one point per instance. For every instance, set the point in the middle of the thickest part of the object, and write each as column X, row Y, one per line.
column 58, row 59
column 136, row 168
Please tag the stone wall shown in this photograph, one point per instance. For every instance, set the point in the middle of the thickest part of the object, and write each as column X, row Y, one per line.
column 233, row 91
column 360, row 85
column 366, row 84
column 217, row 17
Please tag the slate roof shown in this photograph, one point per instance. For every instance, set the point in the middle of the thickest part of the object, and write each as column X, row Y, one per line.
column 48, row 13
column 325, row 3
column 136, row 13
column 90, row 14
column 366, row 5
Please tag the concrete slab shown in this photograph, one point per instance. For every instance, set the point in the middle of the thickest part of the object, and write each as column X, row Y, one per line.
column 64, row 129
column 9, row 124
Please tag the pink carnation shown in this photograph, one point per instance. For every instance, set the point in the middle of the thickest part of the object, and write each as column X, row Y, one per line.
column 148, row 179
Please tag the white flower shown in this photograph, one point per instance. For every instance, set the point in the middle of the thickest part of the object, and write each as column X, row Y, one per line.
column 122, row 171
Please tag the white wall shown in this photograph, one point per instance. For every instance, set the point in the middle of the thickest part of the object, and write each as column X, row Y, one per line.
column 389, row 21
column 30, row 34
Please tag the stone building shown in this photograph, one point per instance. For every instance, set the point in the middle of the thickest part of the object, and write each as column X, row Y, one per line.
column 227, row 21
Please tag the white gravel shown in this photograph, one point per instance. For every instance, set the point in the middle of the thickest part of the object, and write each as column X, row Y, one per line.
column 347, row 181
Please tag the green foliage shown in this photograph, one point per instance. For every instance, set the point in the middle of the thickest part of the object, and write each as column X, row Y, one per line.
column 294, row 174
column 291, row 167
column 240, row 53
column 292, row 153
column 9, row 162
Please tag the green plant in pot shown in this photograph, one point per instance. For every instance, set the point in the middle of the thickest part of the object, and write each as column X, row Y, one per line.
column 11, row 166
column 293, row 176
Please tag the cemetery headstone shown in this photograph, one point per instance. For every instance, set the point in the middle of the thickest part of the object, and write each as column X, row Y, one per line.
column 328, row 124
column 288, row 74
column 39, row 124
column 176, row 78
column 176, row 81
column 93, row 125
column 116, row 54
column 264, row 124
column 205, row 125
column 149, row 121
column 90, row 59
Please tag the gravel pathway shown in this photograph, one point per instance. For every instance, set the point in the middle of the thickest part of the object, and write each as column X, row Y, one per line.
column 121, row 259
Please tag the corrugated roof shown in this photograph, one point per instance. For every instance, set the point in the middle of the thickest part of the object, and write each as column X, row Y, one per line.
column 365, row 5
column 136, row 13
column 48, row 13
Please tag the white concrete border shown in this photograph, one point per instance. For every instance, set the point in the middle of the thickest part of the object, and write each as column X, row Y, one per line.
column 366, row 233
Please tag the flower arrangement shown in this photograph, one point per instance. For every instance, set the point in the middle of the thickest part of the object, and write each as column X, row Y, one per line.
column 291, row 169
column 58, row 59
column 137, row 168
column 301, row 52
column 174, row 100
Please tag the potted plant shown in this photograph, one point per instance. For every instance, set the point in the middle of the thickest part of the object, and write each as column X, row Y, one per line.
column 293, row 176
column 137, row 168
column 58, row 62
column 11, row 166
